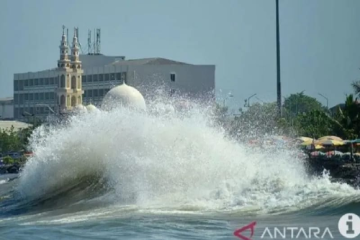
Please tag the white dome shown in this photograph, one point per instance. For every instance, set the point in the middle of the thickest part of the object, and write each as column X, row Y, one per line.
column 80, row 109
column 91, row 108
column 123, row 95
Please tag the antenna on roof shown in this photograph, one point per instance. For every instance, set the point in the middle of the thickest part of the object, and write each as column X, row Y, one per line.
column 94, row 48
column 77, row 35
column 98, row 40
column 89, row 42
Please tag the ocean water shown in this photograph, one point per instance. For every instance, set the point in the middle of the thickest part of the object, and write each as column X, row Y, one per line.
column 124, row 174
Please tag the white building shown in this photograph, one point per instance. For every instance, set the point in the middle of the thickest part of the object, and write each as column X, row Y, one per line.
column 6, row 108
column 84, row 79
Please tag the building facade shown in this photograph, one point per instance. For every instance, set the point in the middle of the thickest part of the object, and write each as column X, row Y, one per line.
column 6, row 108
column 84, row 79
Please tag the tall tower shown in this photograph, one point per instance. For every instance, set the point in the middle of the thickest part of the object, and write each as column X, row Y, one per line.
column 64, row 70
column 77, row 71
column 69, row 91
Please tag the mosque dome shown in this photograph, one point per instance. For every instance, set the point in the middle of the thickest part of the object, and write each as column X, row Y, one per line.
column 91, row 108
column 80, row 109
column 124, row 95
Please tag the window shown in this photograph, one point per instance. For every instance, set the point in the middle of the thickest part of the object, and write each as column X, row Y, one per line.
column 36, row 82
column 31, row 82
column 107, row 77
column 85, row 93
column 16, row 85
column 46, row 81
column 90, row 93
column 172, row 77
column 47, row 95
column 36, row 97
column 118, row 76
column 26, row 96
column 101, row 77
column 123, row 77
column 73, row 82
column 56, row 81
column 17, row 112
column 95, row 93
column 21, row 86
column 41, row 96
column 41, row 81
column 31, row 96
column 84, row 78
column 101, row 92
column 95, row 78
column 51, row 81
column 112, row 76
column 26, row 83
column 89, row 78
column 62, row 81
column 21, row 98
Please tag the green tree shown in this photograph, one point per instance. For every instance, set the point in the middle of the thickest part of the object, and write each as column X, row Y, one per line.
column 9, row 140
column 300, row 103
column 8, row 160
column 256, row 121
column 348, row 119
column 315, row 123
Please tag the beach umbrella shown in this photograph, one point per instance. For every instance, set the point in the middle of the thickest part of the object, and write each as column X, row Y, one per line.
column 330, row 142
column 330, row 138
column 304, row 139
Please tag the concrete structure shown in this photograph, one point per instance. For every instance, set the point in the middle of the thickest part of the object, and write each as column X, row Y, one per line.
column 85, row 79
column 6, row 108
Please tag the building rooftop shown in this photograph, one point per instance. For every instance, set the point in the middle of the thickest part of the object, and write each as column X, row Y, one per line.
column 6, row 99
column 16, row 124
column 93, row 61
column 149, row 61
column 90, row 61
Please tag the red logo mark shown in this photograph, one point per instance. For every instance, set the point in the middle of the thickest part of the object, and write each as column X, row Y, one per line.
column 250, row 226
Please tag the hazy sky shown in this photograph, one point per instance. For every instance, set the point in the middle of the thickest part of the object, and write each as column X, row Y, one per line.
column 320, row 40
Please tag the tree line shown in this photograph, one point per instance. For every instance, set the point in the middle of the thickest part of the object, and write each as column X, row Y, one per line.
column 302, row 115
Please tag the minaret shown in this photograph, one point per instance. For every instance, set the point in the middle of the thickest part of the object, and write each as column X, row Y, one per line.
column 63, row 90
column 64, row 61
column 76, row 72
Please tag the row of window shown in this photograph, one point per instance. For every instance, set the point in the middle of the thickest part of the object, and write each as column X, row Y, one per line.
column 30, row 110
column 19, row 85
column 104, row 77
column 95, row 92
column 21, row 98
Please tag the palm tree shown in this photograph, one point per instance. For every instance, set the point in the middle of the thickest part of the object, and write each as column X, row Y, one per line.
column 349, row 117
column 356, row 87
